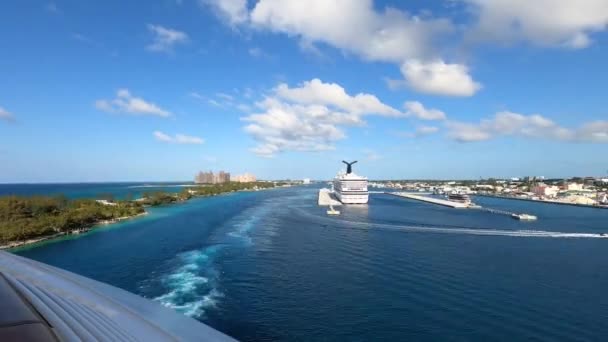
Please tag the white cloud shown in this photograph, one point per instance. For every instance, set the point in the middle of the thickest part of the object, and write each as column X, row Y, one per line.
column 530, row 126
column 416, row 109
column 356, row 27
column 178, row 138
column 596, row 131
column 542, row 22
column 233, row 11
column 124, row 102
column 440, row 78
column 315, row 91
column 6, row 115
column 310, row 117
column 165, row 38
column 160, row 136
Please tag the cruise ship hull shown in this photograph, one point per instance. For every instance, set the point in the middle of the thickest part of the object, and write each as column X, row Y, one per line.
column 352, row 198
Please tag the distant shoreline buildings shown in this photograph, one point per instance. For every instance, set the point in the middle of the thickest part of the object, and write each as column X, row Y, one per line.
column 210, row 177
column 244, row 178
column 588, row 191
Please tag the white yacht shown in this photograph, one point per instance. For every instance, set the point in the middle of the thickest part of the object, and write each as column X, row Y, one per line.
column 350, row 188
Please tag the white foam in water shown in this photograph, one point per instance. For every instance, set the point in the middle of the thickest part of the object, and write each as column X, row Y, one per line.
column 187, row 286
column 188, row 291
column 463, row 230
column 249, row 219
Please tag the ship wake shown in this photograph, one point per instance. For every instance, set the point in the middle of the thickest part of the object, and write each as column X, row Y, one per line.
column 457, row 229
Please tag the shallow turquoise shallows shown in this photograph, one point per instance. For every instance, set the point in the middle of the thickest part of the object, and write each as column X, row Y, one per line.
column 271, row 265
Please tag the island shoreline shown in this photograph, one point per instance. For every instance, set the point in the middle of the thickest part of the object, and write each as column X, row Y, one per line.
column 81, row 230
column 85, row 229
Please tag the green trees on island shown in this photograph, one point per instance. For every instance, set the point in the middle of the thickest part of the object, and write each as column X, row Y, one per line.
column 29, row 217
column 23, row 218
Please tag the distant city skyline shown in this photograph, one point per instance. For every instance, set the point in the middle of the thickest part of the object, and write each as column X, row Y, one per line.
column 288, row 89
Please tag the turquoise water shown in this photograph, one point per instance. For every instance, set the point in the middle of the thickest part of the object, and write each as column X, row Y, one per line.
column 271, row 265
column 91, row 190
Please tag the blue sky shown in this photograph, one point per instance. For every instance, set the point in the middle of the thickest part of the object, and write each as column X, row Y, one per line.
column 134, row 91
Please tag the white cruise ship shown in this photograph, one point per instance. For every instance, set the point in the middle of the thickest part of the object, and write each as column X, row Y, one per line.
column 350, row 188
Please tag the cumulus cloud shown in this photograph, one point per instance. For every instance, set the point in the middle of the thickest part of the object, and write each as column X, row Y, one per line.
column 164, row 39
column 440, row 78
column 416, row 109
column 309, row 117
column 178, row 138
column 356, row 27
column 126, row 103
column 530, row 126
column 234, row 12
column 6, row 115
column 332, row 94
column 540, row 22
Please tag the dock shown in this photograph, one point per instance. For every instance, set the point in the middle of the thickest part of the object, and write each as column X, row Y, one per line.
column 427, row 199
column 326, row 197
column 458, row 205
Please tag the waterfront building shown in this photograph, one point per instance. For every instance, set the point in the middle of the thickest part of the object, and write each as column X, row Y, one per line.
column 244, row 178
column 572, row 186
column 211, row 178
column 544, row 190
column 222, row 177
column 204, row 178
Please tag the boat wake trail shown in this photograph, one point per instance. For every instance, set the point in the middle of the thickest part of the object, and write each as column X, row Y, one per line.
column 456, row 229
column 494, row 232
column 192, row 287
column 248, row 220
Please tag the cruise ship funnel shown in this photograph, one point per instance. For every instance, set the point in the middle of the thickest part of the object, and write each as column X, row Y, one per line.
column 349, row 166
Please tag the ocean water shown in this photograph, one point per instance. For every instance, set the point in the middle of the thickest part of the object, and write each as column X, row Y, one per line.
column 272, row 266
column 90, row 190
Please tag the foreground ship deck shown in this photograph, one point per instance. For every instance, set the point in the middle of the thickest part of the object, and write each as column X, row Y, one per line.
column 44, row 303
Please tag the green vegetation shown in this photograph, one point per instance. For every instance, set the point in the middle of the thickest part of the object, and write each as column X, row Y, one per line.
column 24, row 218
column 160, row 197
column 216, row 189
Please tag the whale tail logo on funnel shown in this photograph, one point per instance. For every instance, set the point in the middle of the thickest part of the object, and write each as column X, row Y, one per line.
column 349, row 166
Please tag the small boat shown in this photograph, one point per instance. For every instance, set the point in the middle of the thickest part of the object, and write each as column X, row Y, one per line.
column 332, row 211
column 524, row 217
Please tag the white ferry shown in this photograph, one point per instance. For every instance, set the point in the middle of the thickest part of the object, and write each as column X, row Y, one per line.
column 350, row 188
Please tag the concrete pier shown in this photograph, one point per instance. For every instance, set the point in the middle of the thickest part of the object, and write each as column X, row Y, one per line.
column 326, row 197
column 427, row 199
